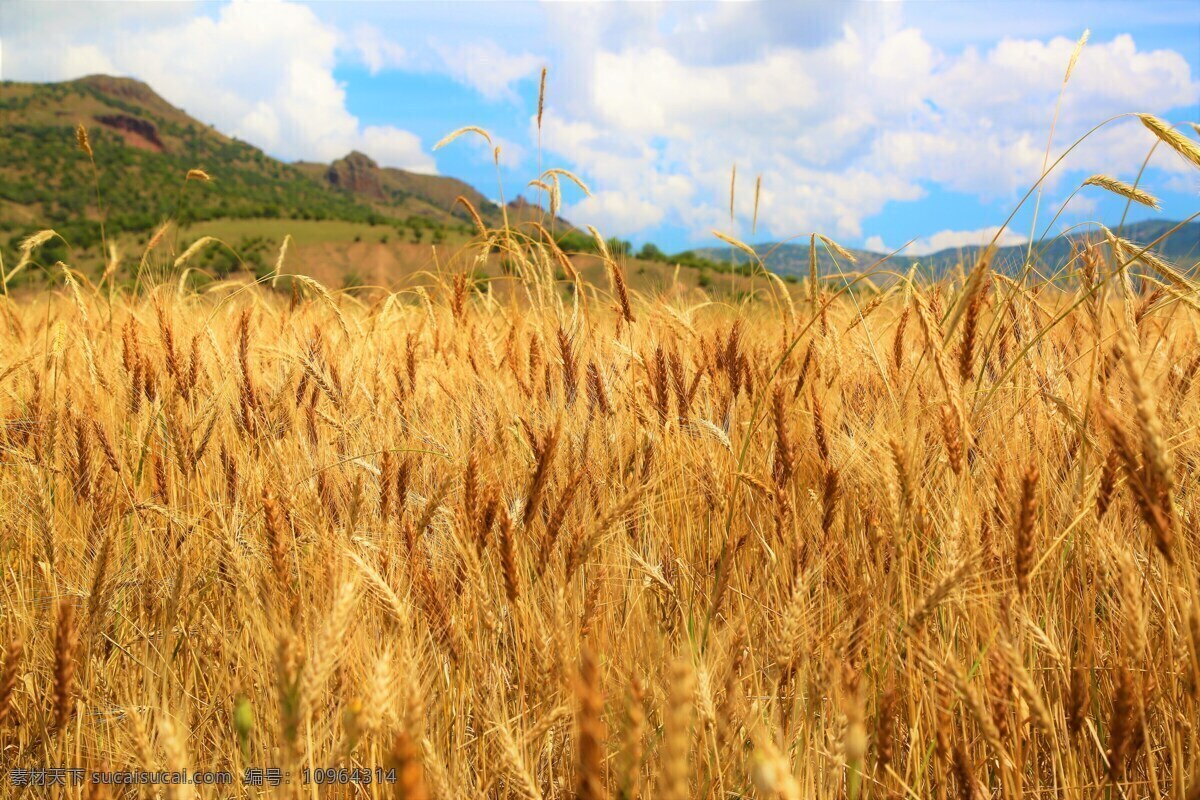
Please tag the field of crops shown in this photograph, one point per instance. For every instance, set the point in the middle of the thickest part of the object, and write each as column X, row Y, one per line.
column 934, row 540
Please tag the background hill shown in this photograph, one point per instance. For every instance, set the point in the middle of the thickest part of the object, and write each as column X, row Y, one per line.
column 1182, row 247
column 144, row 147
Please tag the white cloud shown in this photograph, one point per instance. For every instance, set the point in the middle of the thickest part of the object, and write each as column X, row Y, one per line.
column 625, row 201
column 839, row 124
column 1021, row 78
column 1187, row 184
column 952, row 240
column 651, row 91
column 617, row 212
column 261, row 70
column 392, row 147
column 1078, row 206
column 486, row 67
column 84, row 60
column 371, row 46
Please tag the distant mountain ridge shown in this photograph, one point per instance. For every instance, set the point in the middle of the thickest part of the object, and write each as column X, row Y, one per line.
column 1181, row 248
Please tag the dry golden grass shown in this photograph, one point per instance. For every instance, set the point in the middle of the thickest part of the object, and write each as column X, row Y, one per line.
column 623, row 547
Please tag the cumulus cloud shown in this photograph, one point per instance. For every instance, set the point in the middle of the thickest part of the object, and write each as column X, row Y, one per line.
column 261, row 71
column 840, row 122
column 486, row 67
column 391, row 146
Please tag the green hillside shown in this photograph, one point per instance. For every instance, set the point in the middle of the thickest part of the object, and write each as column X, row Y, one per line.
column 143, row 149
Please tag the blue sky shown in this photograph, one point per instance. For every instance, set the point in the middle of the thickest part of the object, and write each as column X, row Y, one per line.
column 876, row 123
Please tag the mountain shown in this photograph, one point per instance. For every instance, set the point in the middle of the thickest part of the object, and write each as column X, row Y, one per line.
column 144, row 146
column 385, row 188
column 1181, row 248
column 388, row 187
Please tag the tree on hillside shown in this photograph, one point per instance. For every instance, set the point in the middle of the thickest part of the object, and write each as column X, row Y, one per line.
column 619, row 247
column 650, row 252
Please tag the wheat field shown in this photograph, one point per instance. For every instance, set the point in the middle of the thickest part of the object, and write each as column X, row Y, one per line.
column 930, row 540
